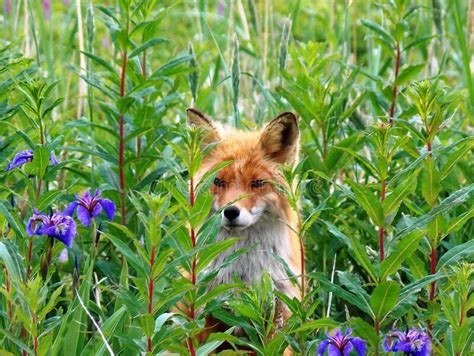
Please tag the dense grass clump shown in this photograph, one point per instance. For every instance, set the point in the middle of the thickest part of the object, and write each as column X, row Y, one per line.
column 106, row 231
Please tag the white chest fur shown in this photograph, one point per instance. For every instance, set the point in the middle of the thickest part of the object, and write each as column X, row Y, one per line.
column 264, row 240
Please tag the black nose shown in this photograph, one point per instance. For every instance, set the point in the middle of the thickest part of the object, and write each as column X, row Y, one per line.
column 231, row 212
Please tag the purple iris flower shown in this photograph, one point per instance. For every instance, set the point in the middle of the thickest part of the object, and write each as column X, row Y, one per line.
column 412, row 342
column 26, row 156
column 340, row 344
column 88, row 207
column 57, row 225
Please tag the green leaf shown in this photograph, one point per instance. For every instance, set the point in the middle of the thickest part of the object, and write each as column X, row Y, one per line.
column 456, row 253
column 384, row 298
column 323, row 323
column 379, row 30
column 146, row 45
column 48, row 199
column 208, row 253
column 357, row 249
column 364, row 330
column 431, row 182
column 408, row 73
column 457, row 155
column 392, row 202
column 15, row 222
column 457, row 223
column 338, row 154
column 40, row 160
column 404, row 249
column 369, row 202
column 350, row 298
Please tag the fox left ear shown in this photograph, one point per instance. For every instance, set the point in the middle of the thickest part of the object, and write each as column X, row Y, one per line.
column 280, row 138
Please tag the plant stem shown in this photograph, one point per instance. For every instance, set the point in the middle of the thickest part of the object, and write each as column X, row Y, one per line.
column 433, row 271
column 10, row 309
column 35, row 338
column 381, row 228
column 377, row 331
column 395, row 88
column 191, row 312
column 151, row 286
column 122, row 130
column 139, row 139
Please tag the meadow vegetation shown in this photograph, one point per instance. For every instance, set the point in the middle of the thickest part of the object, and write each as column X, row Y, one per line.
column 100, row 211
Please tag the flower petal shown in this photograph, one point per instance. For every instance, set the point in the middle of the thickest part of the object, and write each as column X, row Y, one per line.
column 334, row 351
column 359, row 345
column 53, row 159
column 322, row 347
column 20, row 159
column 70, row 208
column 109, row 208
column 83, row 216
column 96, row 211
column 63, row 256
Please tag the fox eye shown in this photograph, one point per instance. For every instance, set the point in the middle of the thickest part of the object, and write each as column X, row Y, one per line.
column 258, row 183
column 219, row 182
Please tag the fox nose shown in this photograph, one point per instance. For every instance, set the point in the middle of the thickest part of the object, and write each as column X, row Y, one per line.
column 231, row 213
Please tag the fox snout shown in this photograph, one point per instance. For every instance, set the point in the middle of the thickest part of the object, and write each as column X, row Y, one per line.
column 237, row 217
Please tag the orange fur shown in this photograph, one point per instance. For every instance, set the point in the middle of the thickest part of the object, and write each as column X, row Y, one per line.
column 255, row 155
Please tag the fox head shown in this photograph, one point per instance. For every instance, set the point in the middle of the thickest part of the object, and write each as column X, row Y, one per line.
column 246, row 190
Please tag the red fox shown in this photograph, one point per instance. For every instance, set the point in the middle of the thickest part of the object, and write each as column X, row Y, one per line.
column 252, row 207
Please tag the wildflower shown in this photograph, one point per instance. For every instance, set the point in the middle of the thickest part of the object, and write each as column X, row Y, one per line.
column 8, row 7
column 412, row 342
column 57, row 225
column 26, row 156
column 88, row 207
column 341, row 344
column 63, row 256
column 47, row 9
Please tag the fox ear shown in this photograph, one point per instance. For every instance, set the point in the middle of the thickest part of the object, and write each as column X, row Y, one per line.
column 198, row 119
column 280, row 138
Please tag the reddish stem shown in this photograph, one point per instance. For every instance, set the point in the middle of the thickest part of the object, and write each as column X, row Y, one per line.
column 122, row 135
column 395, row 88
column 23, row 337
column 377, row 331
column 151, row 286
column 139, row 139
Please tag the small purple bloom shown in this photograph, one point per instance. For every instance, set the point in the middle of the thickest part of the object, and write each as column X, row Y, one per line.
column 412, row 342
column 340, row 344
column 57, row 225
column 88, row 207
column 63, row 256
column 26, row 156
column 8, row 7
column 47, row 9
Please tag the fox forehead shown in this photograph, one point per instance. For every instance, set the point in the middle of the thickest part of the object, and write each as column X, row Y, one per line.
column 247, row 157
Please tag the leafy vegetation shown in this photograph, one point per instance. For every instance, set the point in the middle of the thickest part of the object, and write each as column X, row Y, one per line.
column 93, row 98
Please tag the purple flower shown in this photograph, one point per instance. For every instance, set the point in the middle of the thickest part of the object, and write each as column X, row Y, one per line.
column 63, row 256
column 26, row 156
column 57, row 225
column 412, row 342
column 8, row 7
column 88, row 207
column 47, row 9
column 340, row 344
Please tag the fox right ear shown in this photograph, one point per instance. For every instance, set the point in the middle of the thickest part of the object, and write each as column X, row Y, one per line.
column 198, row 119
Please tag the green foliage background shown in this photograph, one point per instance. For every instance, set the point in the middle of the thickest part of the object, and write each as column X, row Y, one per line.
column 385, row 95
